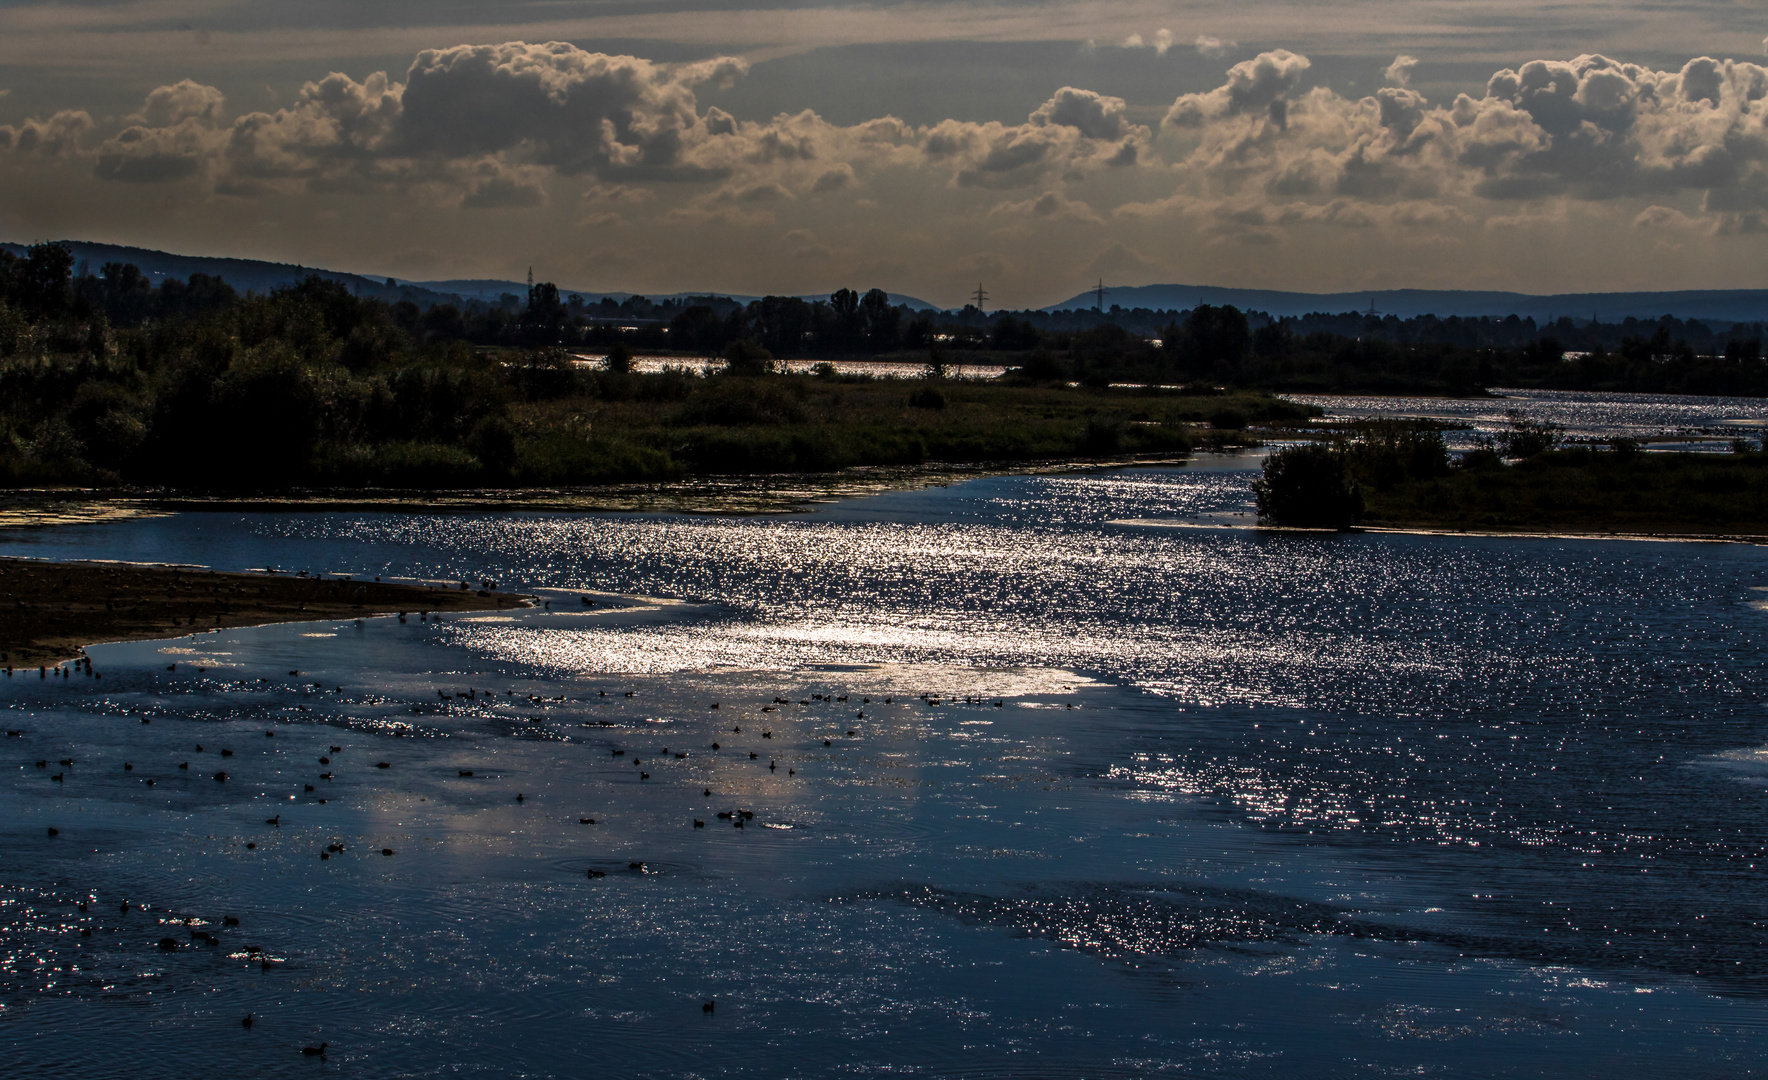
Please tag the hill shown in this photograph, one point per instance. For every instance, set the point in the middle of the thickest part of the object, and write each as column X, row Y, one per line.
column 259, row 276
column 1717, row 305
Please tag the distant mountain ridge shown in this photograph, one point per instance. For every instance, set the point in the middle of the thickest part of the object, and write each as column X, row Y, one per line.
column 1716, row 305
column 260, row 276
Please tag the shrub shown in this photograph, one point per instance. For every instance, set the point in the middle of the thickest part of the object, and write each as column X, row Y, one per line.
column 747, row 358
column 1526, row 437
column 1309, row 487
column 1104, row 435
column 927, row 397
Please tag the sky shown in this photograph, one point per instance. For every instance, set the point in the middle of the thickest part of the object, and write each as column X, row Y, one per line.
column 922, row 147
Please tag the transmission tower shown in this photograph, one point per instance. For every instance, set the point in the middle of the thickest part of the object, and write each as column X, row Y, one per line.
column 981, row 297
column 1100, row 290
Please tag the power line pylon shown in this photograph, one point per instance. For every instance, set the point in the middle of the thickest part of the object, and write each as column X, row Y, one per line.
column 1100, row 290
column 981, row 297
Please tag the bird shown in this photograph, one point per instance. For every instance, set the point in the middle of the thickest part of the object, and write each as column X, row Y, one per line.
column 709, row 1006
column 315, row 1051
column 247, row 1022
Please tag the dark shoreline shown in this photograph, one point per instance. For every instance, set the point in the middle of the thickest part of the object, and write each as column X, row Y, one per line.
column 776, row 493
column 55, row 609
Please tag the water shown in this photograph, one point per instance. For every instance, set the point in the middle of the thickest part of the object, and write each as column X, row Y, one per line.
column 1585, row 415
column 1249, row 805
column 877, row 369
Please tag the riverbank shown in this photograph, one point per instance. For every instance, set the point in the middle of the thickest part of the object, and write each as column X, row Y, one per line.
column 784, row 493
column 54, row 609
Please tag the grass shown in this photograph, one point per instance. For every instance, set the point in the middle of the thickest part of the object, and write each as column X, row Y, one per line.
column 1588, row 491
column 801, row 423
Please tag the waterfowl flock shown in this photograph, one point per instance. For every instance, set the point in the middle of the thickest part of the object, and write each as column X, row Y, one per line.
column 793, row 722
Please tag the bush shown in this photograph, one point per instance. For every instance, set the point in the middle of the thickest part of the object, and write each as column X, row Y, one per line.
column 927, row 397
column 1309, row 487
column 1043, row 366
column 493, row 442
column 747, row 358
column 1227, row 420
column 1526, row 437
column 1104, row 435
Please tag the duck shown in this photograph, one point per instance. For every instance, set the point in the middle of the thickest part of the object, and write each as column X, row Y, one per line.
column 315, row 1051
column 246, row 1022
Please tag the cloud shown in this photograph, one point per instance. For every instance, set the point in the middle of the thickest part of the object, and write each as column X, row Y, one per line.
column 835, row 179
column 1262, row 84
column 57, row 136
column 1163, row 40
column 1399, row 73
column 1265, row 155
column 1050, row 206
column 1658, row 217
column 1134, row 41
column 184, row 100
column 1074, row 132
column 1211, row 46
column 1590, row 130
column 575, row 110
column 1094, row 115
column 492, row 185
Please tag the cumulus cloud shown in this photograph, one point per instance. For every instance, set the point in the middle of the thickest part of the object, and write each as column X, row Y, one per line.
column 1260, row 85
column 512, row 127
column 1074, row 132
column 552, row 106
column 575, row 110
column 1589, row 129
column 57, row 136
column 1160, row 42
column 1050, row 206
column 1212, row 46
column 183, row 100
column 1399, row 73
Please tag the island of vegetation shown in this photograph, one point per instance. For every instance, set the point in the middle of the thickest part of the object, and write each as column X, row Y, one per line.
column 1401, row 475
column 53, row 610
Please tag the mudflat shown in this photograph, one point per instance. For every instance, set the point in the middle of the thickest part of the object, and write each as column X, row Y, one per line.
column 51, row 609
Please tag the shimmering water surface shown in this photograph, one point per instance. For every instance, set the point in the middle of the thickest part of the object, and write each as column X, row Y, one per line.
column 1176, row 801
column 1583, row 414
